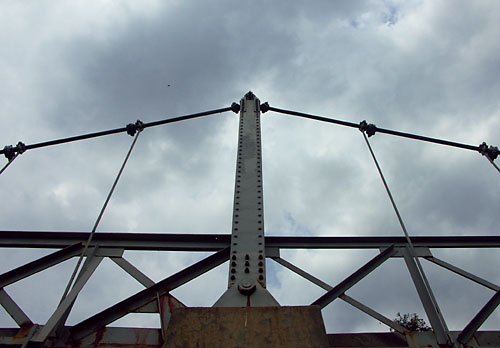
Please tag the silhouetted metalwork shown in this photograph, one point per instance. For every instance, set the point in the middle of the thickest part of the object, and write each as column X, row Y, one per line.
column 247, row 249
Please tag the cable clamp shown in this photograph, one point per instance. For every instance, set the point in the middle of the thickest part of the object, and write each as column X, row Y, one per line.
column 492, row 152
column 9, row 152
column 235, row 107
column 20, row 147
column 140, row 125
column 264, row 107
column 132, row 128
column 369, row 128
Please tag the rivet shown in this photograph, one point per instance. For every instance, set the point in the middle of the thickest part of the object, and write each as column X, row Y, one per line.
column 261, row 263
column 261, row 277
column 247, row 257
column 261, row 270
column 233, row 277
column 261, row 257
column 247, row 263
column 247, row 270
column 233, row 257
column 233, row 264
column 233, row 270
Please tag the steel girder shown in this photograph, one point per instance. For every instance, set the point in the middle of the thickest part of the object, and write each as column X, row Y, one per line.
column 112, row 245
column 215, row 242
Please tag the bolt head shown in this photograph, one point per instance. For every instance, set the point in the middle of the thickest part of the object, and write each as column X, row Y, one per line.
column 246, row 286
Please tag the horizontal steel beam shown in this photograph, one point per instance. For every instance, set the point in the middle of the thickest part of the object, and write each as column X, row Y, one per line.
column 215, row 242
column 382, row 242
column 127, row 241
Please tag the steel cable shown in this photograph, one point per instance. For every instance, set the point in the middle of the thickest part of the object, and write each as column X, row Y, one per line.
column 380, row 130
column 493, row 163
column 407, row 236
column 96, row 224
column 120, row 130
column 8, row 163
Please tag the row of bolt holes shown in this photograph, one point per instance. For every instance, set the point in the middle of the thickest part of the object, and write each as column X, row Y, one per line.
column 247, row 264
column 247, row 257
column 258, row 181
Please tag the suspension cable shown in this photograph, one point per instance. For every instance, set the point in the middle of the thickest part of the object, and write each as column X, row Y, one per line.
column 394, row 206
column 491, row 152
column 493, row 164
column 411, row 248
column 8, row 163
column 138, row 128
column 119, row 130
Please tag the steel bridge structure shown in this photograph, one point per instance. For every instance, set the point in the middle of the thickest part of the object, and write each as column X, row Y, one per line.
column 246, row 314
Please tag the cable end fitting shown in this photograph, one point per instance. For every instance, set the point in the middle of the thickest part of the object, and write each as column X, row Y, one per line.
column 491, row 152
column 20, row 147
column 264, row 107
column 11, row 151
column 235, row 107
column 369, row 128
column 132, row 128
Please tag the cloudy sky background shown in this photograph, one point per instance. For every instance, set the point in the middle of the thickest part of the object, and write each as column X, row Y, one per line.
column 426, row 67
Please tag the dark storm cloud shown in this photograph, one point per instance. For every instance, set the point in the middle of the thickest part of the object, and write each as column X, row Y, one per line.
column 415, row 66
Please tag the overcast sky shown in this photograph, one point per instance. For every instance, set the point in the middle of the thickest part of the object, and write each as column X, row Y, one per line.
column 426, row 67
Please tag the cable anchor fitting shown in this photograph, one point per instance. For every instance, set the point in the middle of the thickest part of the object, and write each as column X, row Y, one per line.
column 12, row 151
column 491, row 152
column 264, row 107
column 369, row 128
column 9, row 152
column 235, row 107
column 132, row 128
column 20, row 147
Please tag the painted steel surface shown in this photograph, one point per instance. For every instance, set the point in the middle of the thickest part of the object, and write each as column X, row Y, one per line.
column 247, row 269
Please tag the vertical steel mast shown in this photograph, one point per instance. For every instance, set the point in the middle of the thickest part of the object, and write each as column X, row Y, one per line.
column 247, row 268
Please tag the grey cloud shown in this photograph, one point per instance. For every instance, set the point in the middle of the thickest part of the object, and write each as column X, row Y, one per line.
column 415, row 66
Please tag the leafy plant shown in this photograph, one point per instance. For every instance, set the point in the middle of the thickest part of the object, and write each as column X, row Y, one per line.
column 412, row 322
